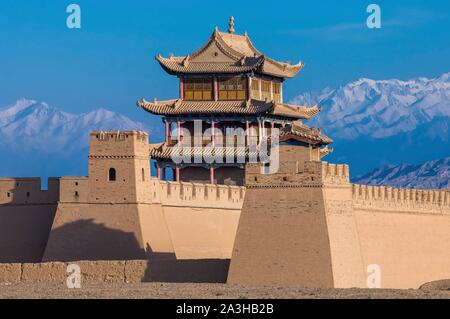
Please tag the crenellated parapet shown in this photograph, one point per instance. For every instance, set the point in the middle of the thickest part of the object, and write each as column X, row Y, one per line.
column 299, row 174
column 28, row 191
column 197, row 195
column 118, row 144
column 330, row 173
column 389, row 198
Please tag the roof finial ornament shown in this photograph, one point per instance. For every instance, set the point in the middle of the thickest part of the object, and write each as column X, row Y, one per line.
column 231, row 25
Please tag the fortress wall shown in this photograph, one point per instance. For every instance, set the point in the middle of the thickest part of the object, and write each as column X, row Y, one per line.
column 334, row 173
column 432, row 201
column 405, row 232
column 182, row 243
column 201, row 218
column 200, row 195
column 297, row 226
column 92, row 272
column 347, row 263
column 110, row 272
column 26, row 216
column 334, row 180
column 83, row 231
column 282, row 239
column 24, row 231
column 25, row 191
column 74, row 189
column 178, row 220
column 201, row 233
column 156, row 237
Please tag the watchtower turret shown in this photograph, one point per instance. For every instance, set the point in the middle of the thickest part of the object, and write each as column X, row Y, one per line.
column 119, row 167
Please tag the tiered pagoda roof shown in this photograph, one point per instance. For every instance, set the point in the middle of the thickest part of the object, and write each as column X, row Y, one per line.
column 249, row 107
column 228, row 53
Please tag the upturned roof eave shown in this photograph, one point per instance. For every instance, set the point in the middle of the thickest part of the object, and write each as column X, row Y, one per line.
column 169, row 108
column 258, row 67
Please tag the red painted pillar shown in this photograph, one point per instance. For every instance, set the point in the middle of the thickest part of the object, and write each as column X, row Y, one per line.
column 158, row 172
column 167, row 132
column 211, row 174
column 181, row 87
column 170, row 132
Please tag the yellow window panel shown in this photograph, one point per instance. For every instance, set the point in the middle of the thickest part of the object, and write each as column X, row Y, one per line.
column 207, row 95
column 189, row 95
column 198, row 95
column 241, row 95
column 232, row 95
column 277, row 98
column 223, row 95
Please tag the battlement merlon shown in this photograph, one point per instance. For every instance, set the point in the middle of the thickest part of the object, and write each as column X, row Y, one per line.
column 197, row 195
column 118, row 144
column 299, row 173
column 328, row 172
column 364, row 194
column 21, row 191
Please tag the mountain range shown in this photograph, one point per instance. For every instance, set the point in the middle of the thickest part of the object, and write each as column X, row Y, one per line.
column 39, row 140
column 385, row 122
column 432, row 174
column 388, row 128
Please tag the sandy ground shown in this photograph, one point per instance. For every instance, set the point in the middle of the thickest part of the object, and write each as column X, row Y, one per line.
column 201, row 291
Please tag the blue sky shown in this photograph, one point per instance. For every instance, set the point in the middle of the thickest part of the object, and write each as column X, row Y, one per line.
column 110, row 62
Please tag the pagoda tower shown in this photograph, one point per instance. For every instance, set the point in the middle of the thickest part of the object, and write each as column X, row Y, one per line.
column 226, row 86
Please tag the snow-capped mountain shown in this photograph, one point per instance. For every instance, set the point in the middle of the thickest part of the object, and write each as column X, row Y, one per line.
column 373, row 123
column 39, row 140
column 379, row 122
column 47, row 129
column 433, row 174
column 380, row 109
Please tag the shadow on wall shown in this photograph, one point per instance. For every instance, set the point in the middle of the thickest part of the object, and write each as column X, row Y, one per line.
column 24, row 231
column 86, row 240
column 165, row 267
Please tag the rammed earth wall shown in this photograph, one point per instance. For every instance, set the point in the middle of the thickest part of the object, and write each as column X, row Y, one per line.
column 305, row 225
column 131, row 271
